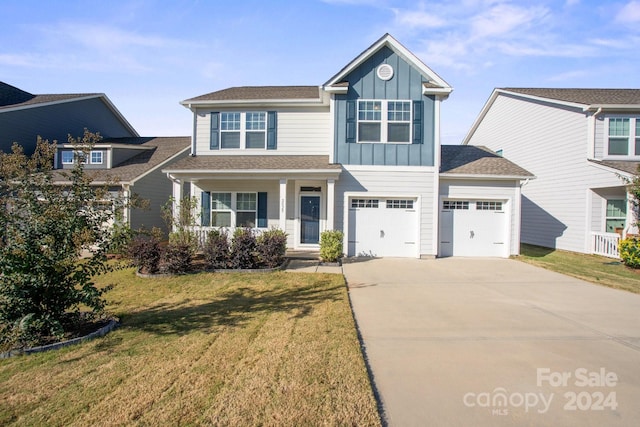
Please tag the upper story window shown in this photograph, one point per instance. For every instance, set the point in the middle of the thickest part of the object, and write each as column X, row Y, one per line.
column 96, row 157
column 384, row 121
column 67, row 157
column 243, row 130
column 623, row 137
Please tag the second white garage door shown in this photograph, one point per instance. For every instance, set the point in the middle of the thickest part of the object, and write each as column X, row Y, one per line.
column 383, row 227
column 473, row 228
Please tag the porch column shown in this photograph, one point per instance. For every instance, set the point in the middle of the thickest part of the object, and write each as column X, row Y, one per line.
column 331, row 203
column 283, row 205
column 177, row 197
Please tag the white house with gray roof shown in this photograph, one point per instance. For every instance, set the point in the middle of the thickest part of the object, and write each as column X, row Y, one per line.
column 580, row 144
column 360, row 153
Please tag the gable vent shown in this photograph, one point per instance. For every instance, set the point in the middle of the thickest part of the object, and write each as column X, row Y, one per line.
column 385, row 72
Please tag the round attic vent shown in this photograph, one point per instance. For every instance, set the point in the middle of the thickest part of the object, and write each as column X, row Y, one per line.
column 385, row 72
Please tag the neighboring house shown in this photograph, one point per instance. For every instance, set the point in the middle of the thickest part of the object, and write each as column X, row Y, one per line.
column 580, row 144
column 130, row 166
column 360, row 154
column 25, row 116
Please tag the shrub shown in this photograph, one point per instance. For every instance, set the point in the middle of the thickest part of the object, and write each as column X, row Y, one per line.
column 272, row 247
column 630, row 251
column 216, row 249
column 145, row 252
column 331, row 245
column 243, row 249
column 121, row 238
column 177, row 257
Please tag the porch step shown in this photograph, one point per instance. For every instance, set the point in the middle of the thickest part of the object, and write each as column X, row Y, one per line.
column 298, row 254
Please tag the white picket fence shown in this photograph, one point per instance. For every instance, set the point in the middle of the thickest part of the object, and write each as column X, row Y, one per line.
column 606, row 244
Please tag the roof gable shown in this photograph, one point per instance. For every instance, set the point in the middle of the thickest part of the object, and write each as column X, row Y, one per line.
column 478, row 160
column 436, row 83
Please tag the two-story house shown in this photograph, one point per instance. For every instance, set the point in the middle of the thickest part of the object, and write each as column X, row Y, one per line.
column 25, row 116
column 580, row 144
column 130, row 167
column 360, row 153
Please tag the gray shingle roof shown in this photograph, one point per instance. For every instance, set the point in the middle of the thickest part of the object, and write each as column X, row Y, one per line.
column 477, row 160
column 269, row 162
column 162, row 148
column 629, row 167
column 11, row 96
column 243, row 93
column 584, row 96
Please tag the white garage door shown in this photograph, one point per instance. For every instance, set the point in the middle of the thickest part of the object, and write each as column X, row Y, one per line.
column 473, row 228
column 383, row 227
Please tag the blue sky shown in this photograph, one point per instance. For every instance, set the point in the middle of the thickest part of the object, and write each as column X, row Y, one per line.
column 149, row 55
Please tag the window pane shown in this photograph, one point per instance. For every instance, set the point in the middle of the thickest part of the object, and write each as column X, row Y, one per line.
column 256, row 121
column 615, row 225
column 619, row 146
column 246, row 202
column 230, row 121
column 221, row 201
column 399, row 111
column 369, row 110
column 67, row 157
column 255, row 139
column 246, row 219
column 230, row 139
column 618, row 127
column 398, row 132
column 616, row 208
column 96, row 157
column 369, row 132
column 637, row 146
column 221, row 219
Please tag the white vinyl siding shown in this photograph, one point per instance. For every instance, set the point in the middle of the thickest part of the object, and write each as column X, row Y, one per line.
column 551, row 142
column 303, row 131
column 389, row 181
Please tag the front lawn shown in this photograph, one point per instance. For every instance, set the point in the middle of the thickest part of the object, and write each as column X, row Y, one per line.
column 592, row 268
column 214, row 349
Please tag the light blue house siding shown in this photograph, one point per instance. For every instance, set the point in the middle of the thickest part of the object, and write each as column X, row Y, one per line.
column 56, row 122
column 406, row 84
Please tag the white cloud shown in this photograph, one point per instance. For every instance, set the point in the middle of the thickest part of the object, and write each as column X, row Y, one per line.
column 418, row 19
column 503, row 18
column 630, row 13
column 569, row 76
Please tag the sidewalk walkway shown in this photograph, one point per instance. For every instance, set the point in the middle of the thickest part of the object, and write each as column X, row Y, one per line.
column 311, row 266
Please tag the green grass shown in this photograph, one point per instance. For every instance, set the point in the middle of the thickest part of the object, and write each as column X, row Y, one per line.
column 592, row 268
column 204, row 349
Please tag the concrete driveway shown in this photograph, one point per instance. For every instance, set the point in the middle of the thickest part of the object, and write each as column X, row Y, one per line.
column 493, row 342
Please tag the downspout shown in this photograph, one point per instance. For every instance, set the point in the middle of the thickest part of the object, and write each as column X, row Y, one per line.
column 592, row 134
column 195, row 127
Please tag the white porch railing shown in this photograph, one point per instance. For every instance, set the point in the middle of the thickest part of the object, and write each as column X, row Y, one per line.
column 605, row 244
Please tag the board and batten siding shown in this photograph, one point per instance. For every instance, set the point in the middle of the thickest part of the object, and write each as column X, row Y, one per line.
column 406, row 84
column 391, row 181
column 301, row 131
column 550, row 142
column 56, row 122
column 488, row 190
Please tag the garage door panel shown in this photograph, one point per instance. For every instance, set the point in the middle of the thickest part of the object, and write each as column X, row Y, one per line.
column 386, row 228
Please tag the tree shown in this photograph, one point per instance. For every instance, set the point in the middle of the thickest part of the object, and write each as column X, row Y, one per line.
column 44, row 229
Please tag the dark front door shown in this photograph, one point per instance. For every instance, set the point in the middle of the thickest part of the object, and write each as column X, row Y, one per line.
column 310, row 219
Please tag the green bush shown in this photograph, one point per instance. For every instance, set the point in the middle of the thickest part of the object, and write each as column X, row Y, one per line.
column 272, row 247
column 630, row 251
column 216, row 249
column 331, row 245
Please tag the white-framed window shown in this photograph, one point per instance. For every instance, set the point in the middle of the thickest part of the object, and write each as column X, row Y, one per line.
column 67, row 157
column 400, row 204
column 455, row 204
column 616, row 215
column 234, row 209
column 384, row 121
column 221, row 209
column 96, row 157
column 364, row 203
column 623, row 136
column 488, row 206
column 243, row 130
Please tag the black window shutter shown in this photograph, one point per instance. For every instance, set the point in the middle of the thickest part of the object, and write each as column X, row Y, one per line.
column 214, row 142
column 262, row 210
column 351, row 121
column 417, row 122
column 272, row 130
column 205, row 198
